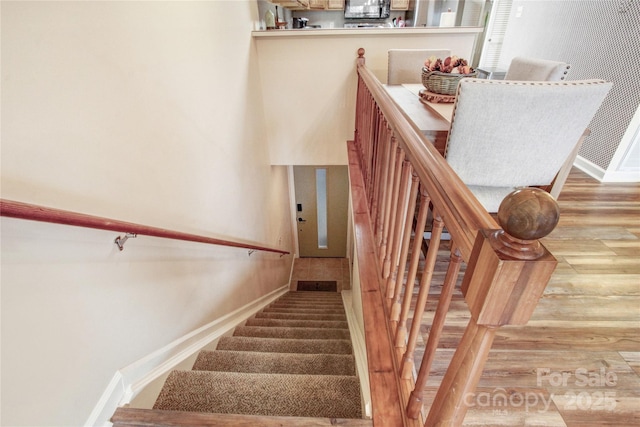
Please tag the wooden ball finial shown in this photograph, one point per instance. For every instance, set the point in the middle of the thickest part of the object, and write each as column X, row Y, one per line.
column 525, row 215
column 528, row 214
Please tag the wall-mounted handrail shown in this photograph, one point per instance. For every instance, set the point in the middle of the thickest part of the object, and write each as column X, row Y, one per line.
column 27, row 211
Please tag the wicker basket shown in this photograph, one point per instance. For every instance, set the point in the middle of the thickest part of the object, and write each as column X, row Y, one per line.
column 442, row 83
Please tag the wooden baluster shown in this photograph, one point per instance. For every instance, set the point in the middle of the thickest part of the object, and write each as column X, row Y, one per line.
column 394, row 169
column 415, row 400
column 423, row 211
column 448, row 408
column 398, row 209
column 505, row 277
column 368, row 143
column 379, row 180
column 375, row 160
column 375, row 130
column 404, row 251
column 425, row 282
column 366, row 130
column 384, row 189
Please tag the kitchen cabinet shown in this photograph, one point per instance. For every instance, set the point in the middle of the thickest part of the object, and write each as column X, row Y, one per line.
column 335, row 4
column 326, row 4
column 317, row 4
column 292, row 4
column 399, row 5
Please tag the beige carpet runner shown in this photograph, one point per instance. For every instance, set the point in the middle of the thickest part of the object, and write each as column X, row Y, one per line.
column 294, row 358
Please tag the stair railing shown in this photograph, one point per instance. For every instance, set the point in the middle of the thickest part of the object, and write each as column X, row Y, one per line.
column 401, row 185
column 27, row 211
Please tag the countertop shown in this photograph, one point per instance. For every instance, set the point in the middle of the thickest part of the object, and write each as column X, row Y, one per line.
column 387, row 31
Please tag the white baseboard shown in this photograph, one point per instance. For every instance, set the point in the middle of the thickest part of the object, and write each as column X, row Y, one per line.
column 359, row 352
column 622, row 176
column 589, row 168
column 130, row 380
column 602, row 175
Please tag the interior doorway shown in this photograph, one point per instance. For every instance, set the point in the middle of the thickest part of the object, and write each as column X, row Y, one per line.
column 322, row 194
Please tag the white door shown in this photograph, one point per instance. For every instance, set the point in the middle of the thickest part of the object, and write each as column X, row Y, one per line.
column 496, row 29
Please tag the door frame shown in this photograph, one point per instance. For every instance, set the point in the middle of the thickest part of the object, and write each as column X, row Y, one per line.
column 294, row 213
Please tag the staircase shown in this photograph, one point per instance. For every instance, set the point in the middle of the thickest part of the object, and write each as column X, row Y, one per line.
column 291, row 364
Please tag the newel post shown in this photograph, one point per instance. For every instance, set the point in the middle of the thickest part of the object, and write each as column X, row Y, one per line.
column 360, row 60
column 506, row 276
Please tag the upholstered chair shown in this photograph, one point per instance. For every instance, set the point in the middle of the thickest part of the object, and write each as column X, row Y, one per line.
column 510, row 134
column 405, row 65
column 532, row 69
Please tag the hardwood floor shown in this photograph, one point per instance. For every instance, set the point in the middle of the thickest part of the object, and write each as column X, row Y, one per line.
column 577, row 362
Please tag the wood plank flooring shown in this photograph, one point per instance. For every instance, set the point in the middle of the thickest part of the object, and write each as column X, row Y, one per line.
column 577, row 362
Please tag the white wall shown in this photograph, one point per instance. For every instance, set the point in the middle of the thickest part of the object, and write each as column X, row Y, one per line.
column 147, row 112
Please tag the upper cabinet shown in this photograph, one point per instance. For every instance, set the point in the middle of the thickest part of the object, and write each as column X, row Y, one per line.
column 335, row 4
column 317, row 4
column 292, row 4
column 311, row 4
column 399, row 4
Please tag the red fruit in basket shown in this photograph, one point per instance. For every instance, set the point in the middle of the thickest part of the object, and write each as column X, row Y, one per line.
column 447, row 61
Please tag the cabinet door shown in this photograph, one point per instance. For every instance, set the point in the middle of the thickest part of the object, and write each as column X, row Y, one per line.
column 292, row 4
column 318, row 4
column 335, row 4
column 399, row 4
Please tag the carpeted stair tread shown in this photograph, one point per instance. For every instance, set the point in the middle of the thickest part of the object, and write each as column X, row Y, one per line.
column 292, row 323
column 297, row 333
column 277, row 345
column 313, row 295
column 307, row 304
column 336, row 300
column 329, row 396
column 275, row 363
column 300, row 316
column 303, row 310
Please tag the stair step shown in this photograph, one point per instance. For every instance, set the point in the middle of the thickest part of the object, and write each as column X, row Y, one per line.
column 300, row 316
column 294, row 323
column 292, row 297
column 314, row 294
column 297, row 333
column 306, row 306
column 275, row 363
column 276, row 345
column 262, row 394
column 337, row 301
column 279, row 309
column 136, row 417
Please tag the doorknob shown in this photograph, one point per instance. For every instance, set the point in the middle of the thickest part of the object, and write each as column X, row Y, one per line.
column 302, row 220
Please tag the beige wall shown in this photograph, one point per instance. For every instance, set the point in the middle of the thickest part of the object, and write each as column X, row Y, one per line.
column 309, row 86
column 147, row 112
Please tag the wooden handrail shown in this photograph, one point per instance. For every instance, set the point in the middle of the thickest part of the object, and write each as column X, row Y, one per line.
column 507, row 269
column 13, row 209
column 459, row 208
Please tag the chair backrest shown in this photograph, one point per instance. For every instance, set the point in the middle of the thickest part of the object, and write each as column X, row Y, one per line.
column 405, row 65
column 513, row 134
column 532, row 69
